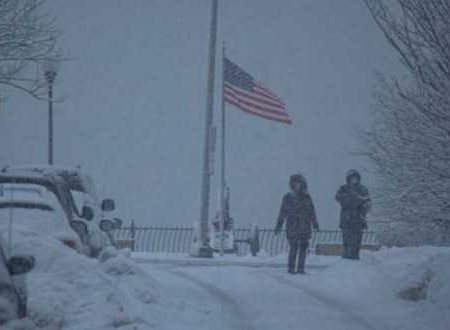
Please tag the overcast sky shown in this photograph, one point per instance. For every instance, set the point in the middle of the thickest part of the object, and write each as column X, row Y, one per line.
column 134, row 102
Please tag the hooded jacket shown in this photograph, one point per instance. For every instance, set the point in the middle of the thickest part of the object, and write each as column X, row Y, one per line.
column 297, row 209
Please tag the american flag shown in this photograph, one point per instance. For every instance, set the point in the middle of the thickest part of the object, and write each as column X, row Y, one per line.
column 242, row 91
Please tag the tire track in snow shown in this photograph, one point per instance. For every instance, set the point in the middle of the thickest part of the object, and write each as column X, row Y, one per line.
column 331, row 303
column 238, row 317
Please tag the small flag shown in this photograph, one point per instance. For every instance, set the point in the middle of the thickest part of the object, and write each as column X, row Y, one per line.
column 242, row 91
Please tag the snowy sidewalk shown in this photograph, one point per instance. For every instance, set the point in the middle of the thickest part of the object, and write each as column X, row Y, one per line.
column 240, row 298
column 313, row 261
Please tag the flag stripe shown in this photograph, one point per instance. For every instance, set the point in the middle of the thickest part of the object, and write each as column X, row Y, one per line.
column 242, row 104
column 252, row 97
column 262, row 107
column 268, row 98
column 264, row 92
column 262, row 115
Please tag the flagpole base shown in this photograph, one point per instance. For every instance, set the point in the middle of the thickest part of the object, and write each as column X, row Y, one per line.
column 204, row 251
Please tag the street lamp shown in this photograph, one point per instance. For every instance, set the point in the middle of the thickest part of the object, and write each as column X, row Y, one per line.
column 50, row 70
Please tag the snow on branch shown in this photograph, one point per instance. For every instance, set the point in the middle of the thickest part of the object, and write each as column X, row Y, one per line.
column 27, row 39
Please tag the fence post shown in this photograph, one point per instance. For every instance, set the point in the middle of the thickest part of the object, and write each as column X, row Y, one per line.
column 254, row 240
column 133, row 234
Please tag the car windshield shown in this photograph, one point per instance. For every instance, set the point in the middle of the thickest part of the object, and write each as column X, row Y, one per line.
column 14, row 191
column 26, row 222
column 31, row 207
column 18, row 214
column 27, row 196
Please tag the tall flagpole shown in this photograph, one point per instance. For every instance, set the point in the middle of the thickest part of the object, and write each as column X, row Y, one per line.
column 222, row 161
column 205, row 248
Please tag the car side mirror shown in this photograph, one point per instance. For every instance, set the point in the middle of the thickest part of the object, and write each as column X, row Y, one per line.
column 108, row 205
column 107, row 225
column 80, row 227
column 87, row 213
column 20, row 264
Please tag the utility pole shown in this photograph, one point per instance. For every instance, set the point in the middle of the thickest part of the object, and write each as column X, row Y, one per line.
column 205, row 250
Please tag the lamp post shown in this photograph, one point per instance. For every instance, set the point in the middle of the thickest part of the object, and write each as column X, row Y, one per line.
column 50, row 71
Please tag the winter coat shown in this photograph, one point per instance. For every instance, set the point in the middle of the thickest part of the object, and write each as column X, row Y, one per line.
column 355, row 203
column 299, row 213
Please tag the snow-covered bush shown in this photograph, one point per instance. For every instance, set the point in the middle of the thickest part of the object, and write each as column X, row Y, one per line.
column 401, row 234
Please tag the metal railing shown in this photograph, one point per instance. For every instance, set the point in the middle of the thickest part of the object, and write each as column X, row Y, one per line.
column 176, row 239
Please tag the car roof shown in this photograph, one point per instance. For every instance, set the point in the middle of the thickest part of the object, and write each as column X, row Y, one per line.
column 26, row 176
column 75, row 177
column 42, row 168
column 28, row 193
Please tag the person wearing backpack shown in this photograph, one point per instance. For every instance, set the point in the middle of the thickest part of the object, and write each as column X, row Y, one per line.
column 297, row 210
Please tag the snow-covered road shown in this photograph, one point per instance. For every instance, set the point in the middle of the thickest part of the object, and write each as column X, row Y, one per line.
column 237, row 297
column 70, row 291
column 200, row 304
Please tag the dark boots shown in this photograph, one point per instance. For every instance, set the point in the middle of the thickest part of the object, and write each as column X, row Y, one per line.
column 352, row 240
column 297, row 256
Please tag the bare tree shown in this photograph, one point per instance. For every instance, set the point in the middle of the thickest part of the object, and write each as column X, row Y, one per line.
column 27, row 39
column 409, row 141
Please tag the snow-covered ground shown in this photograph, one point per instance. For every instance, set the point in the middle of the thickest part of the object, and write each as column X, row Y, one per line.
column 67, row 290
column 345, row 295
column 70, row 291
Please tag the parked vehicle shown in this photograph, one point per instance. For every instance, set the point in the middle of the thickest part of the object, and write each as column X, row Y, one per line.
column 36, row 203
column 48, row 193
column 13, row 290
column 82, row 189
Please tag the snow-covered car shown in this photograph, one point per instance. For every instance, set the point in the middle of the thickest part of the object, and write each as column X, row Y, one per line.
column 35, row 203
column 84, row 194
column 13, row 290
column 30, row 195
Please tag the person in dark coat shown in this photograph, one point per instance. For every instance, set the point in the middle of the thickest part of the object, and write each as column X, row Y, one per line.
column 297, row 209
column 355, row 204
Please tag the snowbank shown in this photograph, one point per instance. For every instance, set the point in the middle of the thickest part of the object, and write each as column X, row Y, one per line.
column 375, row 287
column 70, row 291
